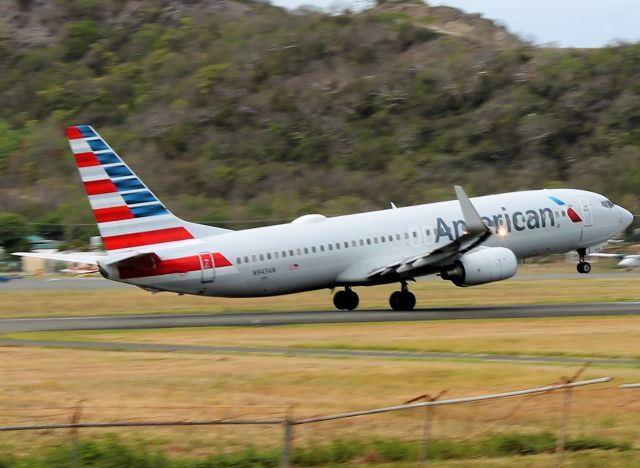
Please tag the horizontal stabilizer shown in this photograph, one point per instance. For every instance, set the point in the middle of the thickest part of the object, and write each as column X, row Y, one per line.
column 89, row 258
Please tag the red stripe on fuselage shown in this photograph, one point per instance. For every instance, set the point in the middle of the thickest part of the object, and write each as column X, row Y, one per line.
column 73, row 133
column 115, row 213
column 220, row 260
column 97, row 187
column 137, row 239
column 166, row 267
column 86, row 160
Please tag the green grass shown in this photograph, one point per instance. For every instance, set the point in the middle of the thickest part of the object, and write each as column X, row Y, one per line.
column 110, row 452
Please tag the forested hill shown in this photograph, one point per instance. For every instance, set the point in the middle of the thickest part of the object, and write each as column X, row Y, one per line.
column 244, row 111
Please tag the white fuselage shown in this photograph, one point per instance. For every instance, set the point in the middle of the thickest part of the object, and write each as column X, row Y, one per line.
column 319, row 252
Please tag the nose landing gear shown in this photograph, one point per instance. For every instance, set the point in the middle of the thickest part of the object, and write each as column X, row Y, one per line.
column 403, row 299
column 346, row 300
column 583, row 266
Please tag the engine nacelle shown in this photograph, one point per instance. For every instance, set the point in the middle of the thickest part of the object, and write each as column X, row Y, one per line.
column 482, row 266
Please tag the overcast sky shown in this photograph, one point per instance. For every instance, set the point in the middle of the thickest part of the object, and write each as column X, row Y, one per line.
column 567, row 23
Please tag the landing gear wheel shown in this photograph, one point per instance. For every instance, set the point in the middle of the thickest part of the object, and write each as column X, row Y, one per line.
column 584, row 267
column 402, row 300
column 346, row 300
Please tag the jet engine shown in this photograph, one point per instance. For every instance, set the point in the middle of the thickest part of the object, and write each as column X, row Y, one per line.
column 482, row 266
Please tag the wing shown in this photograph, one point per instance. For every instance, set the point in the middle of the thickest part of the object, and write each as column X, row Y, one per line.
column 476, row 233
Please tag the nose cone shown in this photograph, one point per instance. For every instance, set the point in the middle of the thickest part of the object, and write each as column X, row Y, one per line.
column 626, row 217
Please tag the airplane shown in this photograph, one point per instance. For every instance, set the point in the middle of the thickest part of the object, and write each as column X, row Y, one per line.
column 466, row 241
column 80, row 271
column 7, row 278
column 626, row 260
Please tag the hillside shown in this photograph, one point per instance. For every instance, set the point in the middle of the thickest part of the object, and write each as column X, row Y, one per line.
column 245, row 112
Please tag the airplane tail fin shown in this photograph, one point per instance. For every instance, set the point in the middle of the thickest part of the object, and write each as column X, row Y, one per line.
column 128, row 214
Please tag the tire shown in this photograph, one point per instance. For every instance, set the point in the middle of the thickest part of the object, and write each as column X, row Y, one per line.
column 402, row 301
column 586, row 267
column 352, row 300
column 341, row 300
column 395, row 301
column 409, row 300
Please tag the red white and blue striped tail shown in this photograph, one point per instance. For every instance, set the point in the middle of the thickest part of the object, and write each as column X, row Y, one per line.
column 128, row 214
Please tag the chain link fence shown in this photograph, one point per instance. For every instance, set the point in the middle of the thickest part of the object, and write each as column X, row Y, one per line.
column 570, row 415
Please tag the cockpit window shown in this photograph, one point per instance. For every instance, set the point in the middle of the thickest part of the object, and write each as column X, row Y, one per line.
column 607, row 204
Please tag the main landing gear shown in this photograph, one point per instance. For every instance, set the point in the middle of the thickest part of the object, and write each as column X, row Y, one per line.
column 403, row 299
column 583, row 267
column 346, row 300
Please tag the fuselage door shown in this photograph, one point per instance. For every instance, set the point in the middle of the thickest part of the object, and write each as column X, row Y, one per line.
column 207, row 267
column 587, row 216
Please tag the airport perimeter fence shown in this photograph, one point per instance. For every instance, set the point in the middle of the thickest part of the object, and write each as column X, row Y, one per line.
column 424, row 429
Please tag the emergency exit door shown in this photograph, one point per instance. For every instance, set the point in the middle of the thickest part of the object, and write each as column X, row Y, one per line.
column 207, row 267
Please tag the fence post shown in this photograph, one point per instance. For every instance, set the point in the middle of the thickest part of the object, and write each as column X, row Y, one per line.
column 562, row 437
column 566, row 412
column 288, row 440
column 428, row 417
column 75, row 419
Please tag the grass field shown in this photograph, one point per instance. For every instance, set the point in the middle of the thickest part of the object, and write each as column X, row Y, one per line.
column 432, row 293
column 44, row 384
column 607, row 337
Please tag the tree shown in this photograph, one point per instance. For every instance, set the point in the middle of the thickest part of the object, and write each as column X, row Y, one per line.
column 13, row 230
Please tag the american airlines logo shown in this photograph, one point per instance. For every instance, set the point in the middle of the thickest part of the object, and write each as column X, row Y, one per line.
column 507, row 222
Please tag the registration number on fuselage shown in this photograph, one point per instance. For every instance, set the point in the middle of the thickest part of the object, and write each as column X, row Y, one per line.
column 264, row 271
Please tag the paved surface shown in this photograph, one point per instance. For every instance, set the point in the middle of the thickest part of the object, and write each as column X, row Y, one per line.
column 111, row 346
column 312, row 317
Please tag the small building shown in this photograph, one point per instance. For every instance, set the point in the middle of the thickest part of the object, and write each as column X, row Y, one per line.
column 40, row 243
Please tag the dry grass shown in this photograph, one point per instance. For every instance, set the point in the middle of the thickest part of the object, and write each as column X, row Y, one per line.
column 570, row 336
column 433, row 293
column 122, row 385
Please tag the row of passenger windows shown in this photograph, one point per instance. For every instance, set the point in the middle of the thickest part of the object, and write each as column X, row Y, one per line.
column 346, row 244
column 327, row 247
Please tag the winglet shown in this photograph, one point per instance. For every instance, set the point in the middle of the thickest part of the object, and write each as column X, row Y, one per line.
column 472, row 220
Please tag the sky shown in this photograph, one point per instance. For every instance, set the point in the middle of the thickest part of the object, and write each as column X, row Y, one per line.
column 564, row 23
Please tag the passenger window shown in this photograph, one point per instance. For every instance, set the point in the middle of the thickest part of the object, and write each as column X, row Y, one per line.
column 406, row 235
column 313, row 249
column 368, row 241
column 253, row 258
column 361, row 242
column 322, row 248
column 246, row 259
column 238, row 261
column 346, row 245
column 284, row 254
column 261, row 257
column 397, row 237
column 382, row 239
column 415, row 234
column 299, row 251
column 330, row 247
column 390, row 238
column 306, row 250
column 354, row 243
column 268, row 256
column 337, row 245
column 290, row 253
column 276, row 254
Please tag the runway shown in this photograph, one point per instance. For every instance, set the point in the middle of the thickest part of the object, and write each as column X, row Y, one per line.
column 314, row 317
